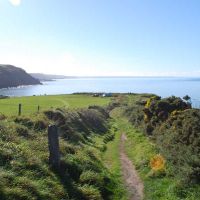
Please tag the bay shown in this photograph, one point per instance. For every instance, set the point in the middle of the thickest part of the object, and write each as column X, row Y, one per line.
column 157, row 85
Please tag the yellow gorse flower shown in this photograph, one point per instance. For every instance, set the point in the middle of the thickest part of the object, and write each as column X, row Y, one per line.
column 148, row 103
column 157, row 163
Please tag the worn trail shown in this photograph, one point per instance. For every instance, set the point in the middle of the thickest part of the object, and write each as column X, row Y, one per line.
column 132, row 180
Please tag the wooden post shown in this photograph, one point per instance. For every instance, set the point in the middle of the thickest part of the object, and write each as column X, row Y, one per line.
column 53, row 141
column 38, row 109
column 20, row 109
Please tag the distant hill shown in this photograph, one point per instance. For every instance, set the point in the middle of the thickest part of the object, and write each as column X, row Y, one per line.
column 47, row 77
column 11, row 76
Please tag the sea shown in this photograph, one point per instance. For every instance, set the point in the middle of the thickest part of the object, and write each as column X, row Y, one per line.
column 162, row 86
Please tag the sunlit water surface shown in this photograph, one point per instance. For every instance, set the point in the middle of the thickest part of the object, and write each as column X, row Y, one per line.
column 160, row 86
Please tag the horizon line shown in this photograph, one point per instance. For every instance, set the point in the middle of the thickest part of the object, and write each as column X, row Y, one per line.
column 108, row 76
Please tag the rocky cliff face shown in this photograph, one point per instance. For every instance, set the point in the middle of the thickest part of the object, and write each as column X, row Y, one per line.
column 11, row 76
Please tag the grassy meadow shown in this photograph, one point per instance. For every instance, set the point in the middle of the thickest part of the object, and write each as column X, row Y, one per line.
column 30, row 104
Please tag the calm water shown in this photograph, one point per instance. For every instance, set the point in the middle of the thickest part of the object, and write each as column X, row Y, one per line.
column 161, row 86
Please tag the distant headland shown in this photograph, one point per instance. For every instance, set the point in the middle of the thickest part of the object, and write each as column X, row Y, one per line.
column 48, row 77
column 11, row 76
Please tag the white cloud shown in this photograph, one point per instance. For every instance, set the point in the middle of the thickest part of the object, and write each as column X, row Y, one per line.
column 15, row 2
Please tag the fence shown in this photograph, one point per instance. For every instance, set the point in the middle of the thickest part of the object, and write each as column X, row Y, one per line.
column 19, row 109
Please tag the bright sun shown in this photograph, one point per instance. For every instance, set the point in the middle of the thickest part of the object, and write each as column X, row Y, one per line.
column 15, row 2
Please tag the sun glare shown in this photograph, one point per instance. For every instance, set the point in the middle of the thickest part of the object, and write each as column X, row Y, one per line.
column 15, row 2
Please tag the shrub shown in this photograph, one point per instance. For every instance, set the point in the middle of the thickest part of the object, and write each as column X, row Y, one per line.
column 176, row 130
column 22, row 131
column 90, row 192
column 179, row 140
column 108, row 137
column 76, row 126
column 2, row 116
column 67, row 148
column 40, row 125
column 94, row 120
column 91, row 178
column 8, row 152
column 100, row 109
column 24, row 121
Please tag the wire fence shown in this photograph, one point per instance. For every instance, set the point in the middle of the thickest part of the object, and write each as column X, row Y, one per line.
column 25, row 108
column 19, row 109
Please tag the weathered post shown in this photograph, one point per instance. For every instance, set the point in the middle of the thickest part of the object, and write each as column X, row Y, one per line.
column 20, row 109
column 53, row 141
column 38, row 109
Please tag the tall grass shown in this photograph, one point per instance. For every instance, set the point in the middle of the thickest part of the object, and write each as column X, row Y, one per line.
column 24, row 169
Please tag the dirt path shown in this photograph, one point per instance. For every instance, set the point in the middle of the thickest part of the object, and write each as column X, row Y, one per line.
column 132, row 180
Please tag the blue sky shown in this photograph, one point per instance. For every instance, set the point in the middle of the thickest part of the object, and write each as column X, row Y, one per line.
column 102, row 37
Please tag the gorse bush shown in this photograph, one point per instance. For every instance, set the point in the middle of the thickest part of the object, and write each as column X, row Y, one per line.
column 179, row 140
column 157, row 110
column 175, row 127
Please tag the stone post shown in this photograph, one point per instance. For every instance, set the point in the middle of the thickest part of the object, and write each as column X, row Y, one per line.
column 20, row 109
column 53, row 141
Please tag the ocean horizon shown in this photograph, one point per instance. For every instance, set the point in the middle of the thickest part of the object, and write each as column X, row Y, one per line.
column 162, row 86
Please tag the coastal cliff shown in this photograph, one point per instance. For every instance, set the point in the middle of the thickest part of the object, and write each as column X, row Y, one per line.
column 11, row 76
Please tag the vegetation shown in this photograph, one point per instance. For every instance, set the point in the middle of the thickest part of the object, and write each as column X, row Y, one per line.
column 162, row 142
column 111, row 158
column 172, row 126
column 179, row 140
column 30, row 104
column 25, row 172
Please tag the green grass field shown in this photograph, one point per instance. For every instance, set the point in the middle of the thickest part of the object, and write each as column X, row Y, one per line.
column 30, row 104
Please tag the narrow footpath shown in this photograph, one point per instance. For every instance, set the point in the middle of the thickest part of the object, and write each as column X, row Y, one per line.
column 132, row 180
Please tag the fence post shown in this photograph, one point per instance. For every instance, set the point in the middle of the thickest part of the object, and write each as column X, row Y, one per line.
column 53, row 142
column 20, row 109
column 38, row 109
